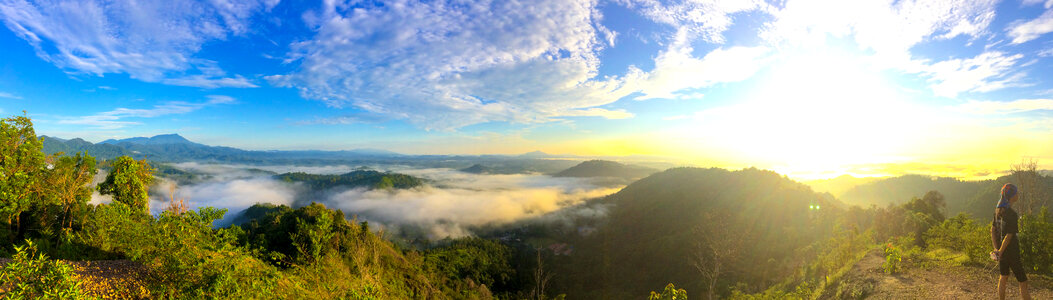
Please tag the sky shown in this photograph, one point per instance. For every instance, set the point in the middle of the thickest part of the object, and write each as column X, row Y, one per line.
column 811, row 89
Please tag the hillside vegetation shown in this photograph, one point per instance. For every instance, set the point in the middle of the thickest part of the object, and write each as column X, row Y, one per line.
column 310, row 252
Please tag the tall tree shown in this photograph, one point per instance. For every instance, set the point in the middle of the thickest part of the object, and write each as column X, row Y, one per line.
column 69, row 183
column 128, row 182
column 21, row 169
column 1026, row 174
column 719, row 245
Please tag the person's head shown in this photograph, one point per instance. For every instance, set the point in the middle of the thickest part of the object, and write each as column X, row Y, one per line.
column 1009, row 195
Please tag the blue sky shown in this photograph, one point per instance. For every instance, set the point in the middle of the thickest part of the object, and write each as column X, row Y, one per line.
column 804, row 87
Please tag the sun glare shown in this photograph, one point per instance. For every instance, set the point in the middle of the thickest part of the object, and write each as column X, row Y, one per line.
column 815, row 113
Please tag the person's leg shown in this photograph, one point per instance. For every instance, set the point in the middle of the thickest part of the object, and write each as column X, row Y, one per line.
column 1023, row 291
column 1001, row 286
column 1018, row 269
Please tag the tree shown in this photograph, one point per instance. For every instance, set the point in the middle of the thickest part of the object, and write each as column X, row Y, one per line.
column 1026, row 174
column 69, row 180
column 718, row 246
column 21, row 170
column 128, row 182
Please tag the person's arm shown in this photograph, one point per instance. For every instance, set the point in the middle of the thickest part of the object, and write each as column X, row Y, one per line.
column 994, row 237
column 1005, row 242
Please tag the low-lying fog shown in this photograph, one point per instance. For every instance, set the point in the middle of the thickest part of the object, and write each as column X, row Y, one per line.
column 446, row 206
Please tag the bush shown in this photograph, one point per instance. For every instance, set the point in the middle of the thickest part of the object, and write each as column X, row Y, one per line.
column 669, row 293
column 1036, row 240
column 187, row 257
column 892, row 259
column 26, row 277
column 961, row 233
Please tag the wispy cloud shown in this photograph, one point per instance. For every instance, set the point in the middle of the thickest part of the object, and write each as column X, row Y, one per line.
column 705, row 19
column 891, row 29
column 1006, row 107
column 10, row 96
column 443, row 66
column 149, row 41
column 117, row 118
column 1023, row 32
column 986, row 72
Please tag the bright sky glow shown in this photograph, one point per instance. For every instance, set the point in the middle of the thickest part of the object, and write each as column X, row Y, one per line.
column 808, row 88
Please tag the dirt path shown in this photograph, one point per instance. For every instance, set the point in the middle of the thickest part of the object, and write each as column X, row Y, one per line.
column 935, row 280
column 108, row 279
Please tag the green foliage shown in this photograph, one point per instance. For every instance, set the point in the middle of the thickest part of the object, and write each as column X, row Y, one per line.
column 481, row 261
column 30, row 275
column 1036, row 241
column 128, row 182
column 358, row 178
column 892, row 259
column 303, row 235
column 187, row 257
column 22, row 171
column 649, row 225
column 961, row 233
column 669, row 293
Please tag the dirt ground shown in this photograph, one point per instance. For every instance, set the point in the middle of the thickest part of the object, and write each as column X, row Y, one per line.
column 109, row 279
column 928, row 280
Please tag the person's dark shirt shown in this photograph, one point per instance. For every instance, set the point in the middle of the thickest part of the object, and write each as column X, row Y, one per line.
column 1008, row 224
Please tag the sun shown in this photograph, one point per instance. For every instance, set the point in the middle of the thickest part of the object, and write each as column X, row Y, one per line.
column 814, row 112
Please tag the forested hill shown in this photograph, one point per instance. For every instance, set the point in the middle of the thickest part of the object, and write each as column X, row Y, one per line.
column 354, row 179
column 657, row 224
column 976, row 198
column 606, row 168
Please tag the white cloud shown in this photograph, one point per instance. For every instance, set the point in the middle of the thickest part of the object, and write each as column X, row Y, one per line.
column 890, row 29
column 1049, row 3
column 1030, row 30
column 150, row 41
column 707, row 19
column 9, row 96
column 114, row 119
column 203, row 81
column 676, row 69
column 999, row 107
column 443, row 66
column 986, row 72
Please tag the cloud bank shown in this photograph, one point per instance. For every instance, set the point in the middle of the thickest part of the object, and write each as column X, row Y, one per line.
column 450, row 205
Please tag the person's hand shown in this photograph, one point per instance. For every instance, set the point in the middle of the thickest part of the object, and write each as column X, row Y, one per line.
column 996, row 255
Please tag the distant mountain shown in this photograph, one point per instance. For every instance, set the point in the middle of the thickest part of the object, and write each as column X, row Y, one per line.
column 837, row 186
column 72, row 146
column 175, row 148
column 606, row 168
column 477, row 169
column 163, row 139
column 900, row 189
column 535, row 154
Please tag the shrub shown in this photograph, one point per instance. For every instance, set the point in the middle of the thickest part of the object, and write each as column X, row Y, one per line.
column 26, row 277
column 961, row 233
column 892, row 259
column 1036, row 240
column 669, row 293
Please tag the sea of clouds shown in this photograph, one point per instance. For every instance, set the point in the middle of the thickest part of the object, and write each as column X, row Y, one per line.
column 448, row 205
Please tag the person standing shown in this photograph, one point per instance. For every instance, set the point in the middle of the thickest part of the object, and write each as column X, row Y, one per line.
column 1004, row 229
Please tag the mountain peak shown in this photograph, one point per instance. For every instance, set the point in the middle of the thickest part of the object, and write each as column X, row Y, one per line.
column 160, row 139
column 535, row 153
